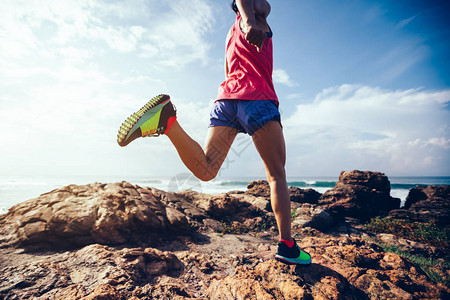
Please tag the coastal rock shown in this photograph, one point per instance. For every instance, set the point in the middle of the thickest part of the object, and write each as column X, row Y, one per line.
column 426, row 204
column 262, row 203
column 259, row 188
column 361, row 195
column 304, row 195
column 94, row 272
column 271, row 280
column 222, row 206
column 342, row 268
column 75, row 216
column 310, row 215
column 190, row 265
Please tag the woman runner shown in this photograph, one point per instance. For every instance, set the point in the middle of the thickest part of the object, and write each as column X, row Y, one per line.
column 247, row 103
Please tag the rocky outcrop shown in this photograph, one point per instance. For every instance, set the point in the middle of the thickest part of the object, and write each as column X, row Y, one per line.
column 342, row 268
column 94, row 272
column 309, row 215
column 426, row 204
column 143, row 243
column 75, row 216
column 298, row 195
column 259, row 188
column 361, row 195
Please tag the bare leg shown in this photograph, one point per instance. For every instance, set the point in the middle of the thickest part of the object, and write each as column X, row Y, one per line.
column 204, row 164
column 269, row 141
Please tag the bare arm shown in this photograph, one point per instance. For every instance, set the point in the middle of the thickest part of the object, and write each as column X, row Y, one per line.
column 226, row 43
column 254, row 33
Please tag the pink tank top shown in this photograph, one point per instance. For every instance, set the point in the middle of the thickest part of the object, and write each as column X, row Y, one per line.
column 249, row 71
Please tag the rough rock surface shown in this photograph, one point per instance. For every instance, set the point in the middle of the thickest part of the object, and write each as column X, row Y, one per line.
column 143, row 243
column 426, row 204
column 343, row 268
column 258, row 188
column 309, row 215
column 75, row 216
column 304, row 195
column 361, row 195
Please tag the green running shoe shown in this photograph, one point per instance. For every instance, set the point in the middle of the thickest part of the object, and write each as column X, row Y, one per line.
column 292, row 256
column 154, row 118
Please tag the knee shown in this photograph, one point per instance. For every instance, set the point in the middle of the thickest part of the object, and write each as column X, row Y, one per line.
column 207, row 176
column 275, row 178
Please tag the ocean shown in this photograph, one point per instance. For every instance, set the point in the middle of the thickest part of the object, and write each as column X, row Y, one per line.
column 15, row 189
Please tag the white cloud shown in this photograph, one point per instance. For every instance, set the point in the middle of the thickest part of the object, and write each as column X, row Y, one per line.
column 361, row 127
column 72, row 71
column 281, row 76
column 173, row 33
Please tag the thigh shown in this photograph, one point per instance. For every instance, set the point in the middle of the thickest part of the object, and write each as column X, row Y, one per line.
column 217, row 145
column 269, row 141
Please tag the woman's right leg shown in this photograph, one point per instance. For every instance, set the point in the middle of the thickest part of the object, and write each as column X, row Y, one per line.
column 204, row 164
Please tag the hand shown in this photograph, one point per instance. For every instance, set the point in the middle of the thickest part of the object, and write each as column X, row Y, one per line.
column 255, row 36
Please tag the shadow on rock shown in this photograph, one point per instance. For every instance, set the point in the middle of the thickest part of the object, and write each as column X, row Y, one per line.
column 315, row 274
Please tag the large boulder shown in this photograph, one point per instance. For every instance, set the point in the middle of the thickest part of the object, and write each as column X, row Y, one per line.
column 361, row 195
column 426, row 204
column 78, row 215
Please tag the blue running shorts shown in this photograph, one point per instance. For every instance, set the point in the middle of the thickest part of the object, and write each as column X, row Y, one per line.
column 247, row 116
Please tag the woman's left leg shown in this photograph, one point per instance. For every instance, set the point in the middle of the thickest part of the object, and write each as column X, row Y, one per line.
column 269, row 141
column 203, row 163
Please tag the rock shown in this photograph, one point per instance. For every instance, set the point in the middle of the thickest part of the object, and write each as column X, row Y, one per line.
column 200, row 261
column 215, row 225
column 321, row 220
column 271, row 280
column 93, row 272
column 304, row 195
column 259, row 188
column 360, row 195
column 310, row 215
column 177, row 219
column 228, row 207
column 261, row 203
column 75, row 216
column 373, row 180
column 426, row 204
column 342, row 268
column 200, row 264
column 424, row 193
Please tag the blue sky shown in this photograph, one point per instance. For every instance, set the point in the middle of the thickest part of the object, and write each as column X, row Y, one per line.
column 362, row 84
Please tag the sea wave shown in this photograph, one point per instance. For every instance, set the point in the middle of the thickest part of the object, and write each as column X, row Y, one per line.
column 404, row 186
column 303, row 183
column 307, row 183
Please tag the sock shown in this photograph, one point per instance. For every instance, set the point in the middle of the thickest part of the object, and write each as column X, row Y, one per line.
column 290, row 243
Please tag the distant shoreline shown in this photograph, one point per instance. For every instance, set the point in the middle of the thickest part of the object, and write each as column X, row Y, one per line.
column 16, row 189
